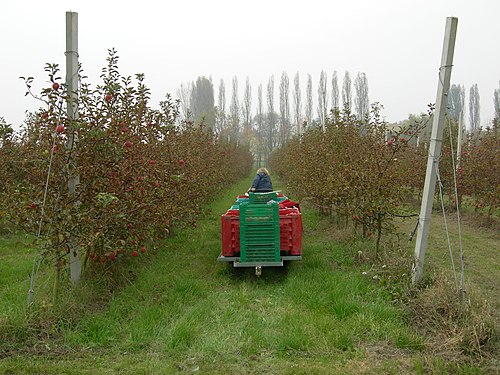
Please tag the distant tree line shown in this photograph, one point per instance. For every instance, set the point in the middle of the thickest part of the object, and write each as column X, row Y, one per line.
column 264, row 124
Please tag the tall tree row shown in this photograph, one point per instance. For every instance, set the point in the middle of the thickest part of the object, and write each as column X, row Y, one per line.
column 265, row 125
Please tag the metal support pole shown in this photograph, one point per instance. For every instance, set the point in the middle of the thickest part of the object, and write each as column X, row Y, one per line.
column 72, row 113
column 435, row 147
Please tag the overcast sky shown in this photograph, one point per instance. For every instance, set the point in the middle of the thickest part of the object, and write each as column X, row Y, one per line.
column 397, row 43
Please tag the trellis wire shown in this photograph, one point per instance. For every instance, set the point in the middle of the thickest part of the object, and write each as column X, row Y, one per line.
column 37, row 260
column 438, row 175
column 37, row 257
column 462, row 262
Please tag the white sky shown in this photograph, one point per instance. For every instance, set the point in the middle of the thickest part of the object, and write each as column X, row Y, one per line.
column 397, row 43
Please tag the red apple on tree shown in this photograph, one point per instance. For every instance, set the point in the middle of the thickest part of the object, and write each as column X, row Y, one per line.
column 55, row 86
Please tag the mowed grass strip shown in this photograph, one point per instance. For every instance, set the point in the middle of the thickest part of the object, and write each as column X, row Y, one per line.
column 186, row 312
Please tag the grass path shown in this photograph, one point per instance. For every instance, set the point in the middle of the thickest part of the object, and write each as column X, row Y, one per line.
column 186, row 313
column 16, row 259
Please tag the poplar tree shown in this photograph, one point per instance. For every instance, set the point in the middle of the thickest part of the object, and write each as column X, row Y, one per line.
column 220, row 119
column 347, row 93
column 247, row 111
column 184, row 95
column 456, row 101
column 259, row 120
column 309, row 101
column 234, row 111
column 335, row 91
column 322, row 99
column 474, row 108
column 362, row 101
column 271, row 116
column 202, row 102
column 297, row 104
column 284, row 94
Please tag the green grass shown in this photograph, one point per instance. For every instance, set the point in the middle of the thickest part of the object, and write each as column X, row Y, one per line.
column 184, row 312
column 16, row 259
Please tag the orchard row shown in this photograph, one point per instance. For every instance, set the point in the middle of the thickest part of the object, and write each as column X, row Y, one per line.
column 367, row 172
column 136, row 174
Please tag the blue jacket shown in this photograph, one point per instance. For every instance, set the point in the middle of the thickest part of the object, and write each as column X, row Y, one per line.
column 262, row 182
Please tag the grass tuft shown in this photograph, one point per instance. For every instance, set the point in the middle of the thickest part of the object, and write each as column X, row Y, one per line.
column 464, row 326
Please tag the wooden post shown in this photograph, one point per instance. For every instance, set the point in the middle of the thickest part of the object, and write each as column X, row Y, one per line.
column 72, row 113
column 435, row 147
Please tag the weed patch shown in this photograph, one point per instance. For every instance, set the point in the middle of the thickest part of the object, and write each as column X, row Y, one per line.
column 454, row 325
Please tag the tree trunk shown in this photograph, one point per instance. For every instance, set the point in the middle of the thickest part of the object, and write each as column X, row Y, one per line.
column 57, row 281
column 379, row 235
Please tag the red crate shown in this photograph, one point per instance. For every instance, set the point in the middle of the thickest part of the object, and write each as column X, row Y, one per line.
column 230, row 234
column 290, row 232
